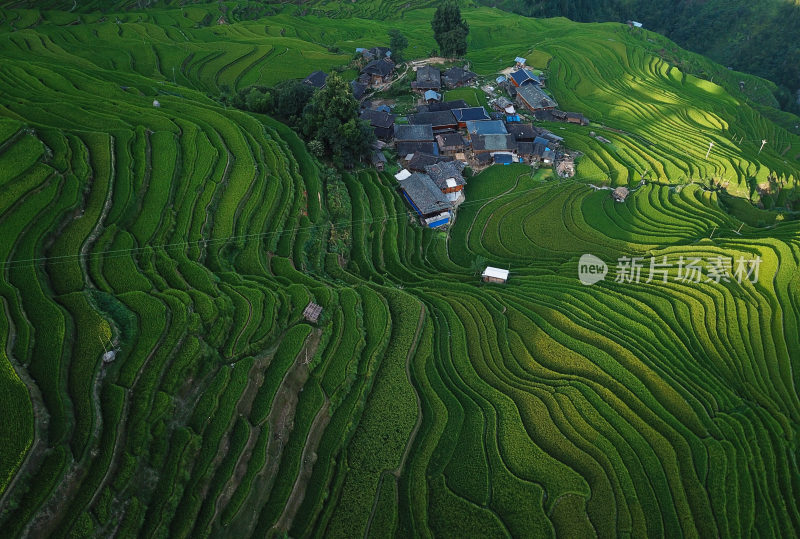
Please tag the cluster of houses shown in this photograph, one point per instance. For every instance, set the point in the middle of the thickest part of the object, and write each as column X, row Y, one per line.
column 441, row 138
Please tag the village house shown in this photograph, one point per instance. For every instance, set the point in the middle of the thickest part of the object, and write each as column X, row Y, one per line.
column 444, row 105
column 448, row 178
column 451, row 143
column 534, row 99
column 420, row 160
column 456, row 77
column 470, row 114
column 442, row 120
column 381, row 121
column 358, row 89
column 522, row 77
column 410, row 139
column 493, row 143
column 428, row 78
column 525, row 149
column 523, row 132
column 519, row 62
column 430, row 204
column 375, row 53
column 504, row 104
column 316, row 79
column 379, row 71
column 486, row 127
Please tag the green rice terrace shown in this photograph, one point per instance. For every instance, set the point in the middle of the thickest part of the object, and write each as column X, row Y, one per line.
column 159, row 376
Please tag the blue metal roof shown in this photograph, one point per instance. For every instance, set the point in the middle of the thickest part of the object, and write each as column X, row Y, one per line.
column 486, row 127
column 432, row 94
column 514, row 118
column 500, row 80
column 522, row 76
column 503, row 158
column 519, row 60
column 470, row 114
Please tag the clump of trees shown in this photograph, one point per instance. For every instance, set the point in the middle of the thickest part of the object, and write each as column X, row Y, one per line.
column 450, row 30
column 327, row 118
column 398, row 43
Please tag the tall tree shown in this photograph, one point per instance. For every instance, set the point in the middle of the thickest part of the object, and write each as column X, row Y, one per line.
column 450, row 30
column 398, row 44
column 331, row 119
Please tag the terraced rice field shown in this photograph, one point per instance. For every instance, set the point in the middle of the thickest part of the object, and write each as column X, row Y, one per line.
column 191, row 237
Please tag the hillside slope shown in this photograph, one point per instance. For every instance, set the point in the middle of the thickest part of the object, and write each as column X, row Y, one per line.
column 189, row 238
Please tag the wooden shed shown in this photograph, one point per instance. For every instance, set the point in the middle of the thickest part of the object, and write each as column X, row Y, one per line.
column 494, row 275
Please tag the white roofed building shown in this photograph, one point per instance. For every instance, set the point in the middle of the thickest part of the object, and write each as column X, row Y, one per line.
column 494, row 275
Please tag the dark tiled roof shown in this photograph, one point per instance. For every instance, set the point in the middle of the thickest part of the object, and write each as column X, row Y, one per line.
column 525, row 148
column 445, row 105
column 377, row 118
column 436, row 119
column 493, row 143
column 380, row 67
column 424, row 159
column 378, row 157
column 470, row 113
column 535, row 97
column 541, row 140
column 358, row 89
column 316, row 79
column 424, row 194
column 539, row 149
column 427, row 77
column 441, row 172
column 420, row 132
column 458, row 75
column 522, row 131
column 405, row 148
column 451, row 140
column 483, row 158
column 486, row 127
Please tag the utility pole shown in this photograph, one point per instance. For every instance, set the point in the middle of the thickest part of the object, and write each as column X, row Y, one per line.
column 710, row 145
column 763, row 142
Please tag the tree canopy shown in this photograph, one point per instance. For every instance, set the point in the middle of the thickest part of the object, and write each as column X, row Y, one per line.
column 450, row 30
column 398, row 44
column 331, row 124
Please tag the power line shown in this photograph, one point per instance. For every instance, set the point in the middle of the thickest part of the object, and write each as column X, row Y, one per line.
column 115, row 253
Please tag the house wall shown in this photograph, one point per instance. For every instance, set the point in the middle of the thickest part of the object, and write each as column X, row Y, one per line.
column 487, row 279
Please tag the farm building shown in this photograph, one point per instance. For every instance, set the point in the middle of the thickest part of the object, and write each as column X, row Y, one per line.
column 577, row 118
column 312, row 312
column 451, row 143
column 378, row 160
column 156, row 104
column 635, row 24
column 379, row 71
column 442, row 120
column 519, row 61
column 456, row 77
column 381, row 122
column 426, row 199
column 522, row 77
column 316, row 79
column 543, row 154
column 533, row 98
column 620, row 194
column 501, row 79
column 469, row 114
column 432, row 96
column 420, row 160
column 428, row 78
column 525, row 149
column 486, row 127
column 494, row 275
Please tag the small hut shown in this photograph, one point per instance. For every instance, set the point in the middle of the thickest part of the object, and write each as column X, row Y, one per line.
column 156, row 104
column 494, row 275
column 620, row 194
column 312, row 312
